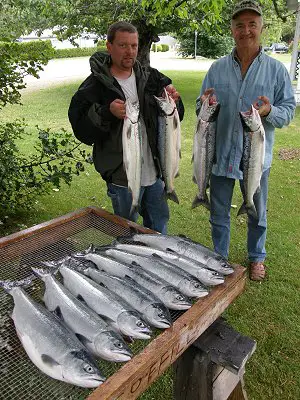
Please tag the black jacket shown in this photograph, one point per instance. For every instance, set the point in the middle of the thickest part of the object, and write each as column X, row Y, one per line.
column 94, row 124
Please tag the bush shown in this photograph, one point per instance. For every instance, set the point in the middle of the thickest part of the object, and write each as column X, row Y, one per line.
column 18, row 60
column 57, row 157
column 164, row 47
column 77, row 52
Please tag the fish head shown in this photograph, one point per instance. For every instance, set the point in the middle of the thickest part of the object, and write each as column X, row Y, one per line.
column 192, row 287
column 251, row 119
column 110, row 346
column 131, row 324
column 174, row 299
column 166, row 104
column 79, row 368
column 158, row 315
column 132, row 111
column 221, row 265
column 210, row 109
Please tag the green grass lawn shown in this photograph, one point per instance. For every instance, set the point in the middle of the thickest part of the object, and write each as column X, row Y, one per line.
column 267, row 312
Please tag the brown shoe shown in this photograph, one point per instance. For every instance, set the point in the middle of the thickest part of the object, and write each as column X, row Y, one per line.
column 257, row 271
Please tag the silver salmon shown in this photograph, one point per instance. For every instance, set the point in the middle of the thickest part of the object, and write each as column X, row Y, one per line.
column 187, row 248
column 253, row 158
column 169, row 142
column 168, row 294
column 53, row 348
column 89, row 328
column 132, row 152
column 204, row 149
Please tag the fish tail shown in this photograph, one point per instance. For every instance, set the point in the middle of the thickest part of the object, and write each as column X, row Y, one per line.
column 204, row 202
column 42, row 272
column 242, row 210
column 8, row 286
column 134, row 209
column 173, row 196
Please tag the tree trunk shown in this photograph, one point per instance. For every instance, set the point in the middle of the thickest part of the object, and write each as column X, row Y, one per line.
column 147, row 36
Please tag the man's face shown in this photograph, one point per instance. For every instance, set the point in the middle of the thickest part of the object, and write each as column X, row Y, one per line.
column 123, row 50
column 246, row 29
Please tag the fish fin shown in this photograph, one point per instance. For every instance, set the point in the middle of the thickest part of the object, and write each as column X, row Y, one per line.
column 192, row 159
column 9, row 285
column 242, row 210
column 49, row 361
column 83, row 339
column 58, row 313
column 179, row 153
column 157, row 256
column 204, row 202
column 79, row 297
column 177, row 174
column 194, row 179
column 173, row 196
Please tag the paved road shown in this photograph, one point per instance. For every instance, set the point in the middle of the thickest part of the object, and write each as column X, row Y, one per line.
column 75, row 69
column 72, row 69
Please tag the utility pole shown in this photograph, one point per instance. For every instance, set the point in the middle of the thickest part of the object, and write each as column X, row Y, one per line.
column 295, row 46
column 195, row 52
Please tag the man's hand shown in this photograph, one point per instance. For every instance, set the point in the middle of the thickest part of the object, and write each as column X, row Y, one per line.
column 263, row 105
column 207, row 93
column 118, row 108
column 172, row 92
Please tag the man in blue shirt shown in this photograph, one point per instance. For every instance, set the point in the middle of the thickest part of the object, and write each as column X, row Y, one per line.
column 246, row 76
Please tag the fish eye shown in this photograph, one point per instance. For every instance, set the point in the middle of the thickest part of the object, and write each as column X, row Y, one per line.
column 120, row 345
column 179, row 297
column 197, row 285
column 88, row 368
column 140, row 324
column 161, row 315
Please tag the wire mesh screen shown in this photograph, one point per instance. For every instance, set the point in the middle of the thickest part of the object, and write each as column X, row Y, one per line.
column 19, row 377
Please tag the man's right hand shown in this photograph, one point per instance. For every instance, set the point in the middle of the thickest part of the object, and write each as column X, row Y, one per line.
column 118, row 108
column 206, row 94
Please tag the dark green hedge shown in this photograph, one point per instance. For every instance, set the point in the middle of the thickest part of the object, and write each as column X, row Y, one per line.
column 77, row 52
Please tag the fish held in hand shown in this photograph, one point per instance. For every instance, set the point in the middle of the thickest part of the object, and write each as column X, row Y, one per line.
column 132, row 152
column 169, row 142
column 253, row 159
column 204, row 149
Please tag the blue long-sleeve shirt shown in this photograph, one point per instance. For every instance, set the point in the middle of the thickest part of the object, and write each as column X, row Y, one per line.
column 265, row 77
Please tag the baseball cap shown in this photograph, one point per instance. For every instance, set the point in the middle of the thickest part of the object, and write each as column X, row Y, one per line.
column 246, row 5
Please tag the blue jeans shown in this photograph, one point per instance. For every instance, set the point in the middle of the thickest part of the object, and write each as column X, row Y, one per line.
column 153, row 205
column 221, row 191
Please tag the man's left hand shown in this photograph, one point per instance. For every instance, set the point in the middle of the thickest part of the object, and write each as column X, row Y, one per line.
column 263, row 105
column 172, row 92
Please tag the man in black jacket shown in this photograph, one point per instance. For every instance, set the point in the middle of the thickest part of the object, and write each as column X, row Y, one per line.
column 97, row 111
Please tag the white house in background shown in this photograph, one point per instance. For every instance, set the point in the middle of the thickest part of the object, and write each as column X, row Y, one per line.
column 169, row 40
column 88, row 41
column 84, row 41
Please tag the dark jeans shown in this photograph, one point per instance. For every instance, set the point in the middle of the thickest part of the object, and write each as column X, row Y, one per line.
column 153, row 205
column 221, row 190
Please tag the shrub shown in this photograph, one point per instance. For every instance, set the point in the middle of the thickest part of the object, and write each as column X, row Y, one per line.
column 164, row 47
column 77, row 52
column 57, row 157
